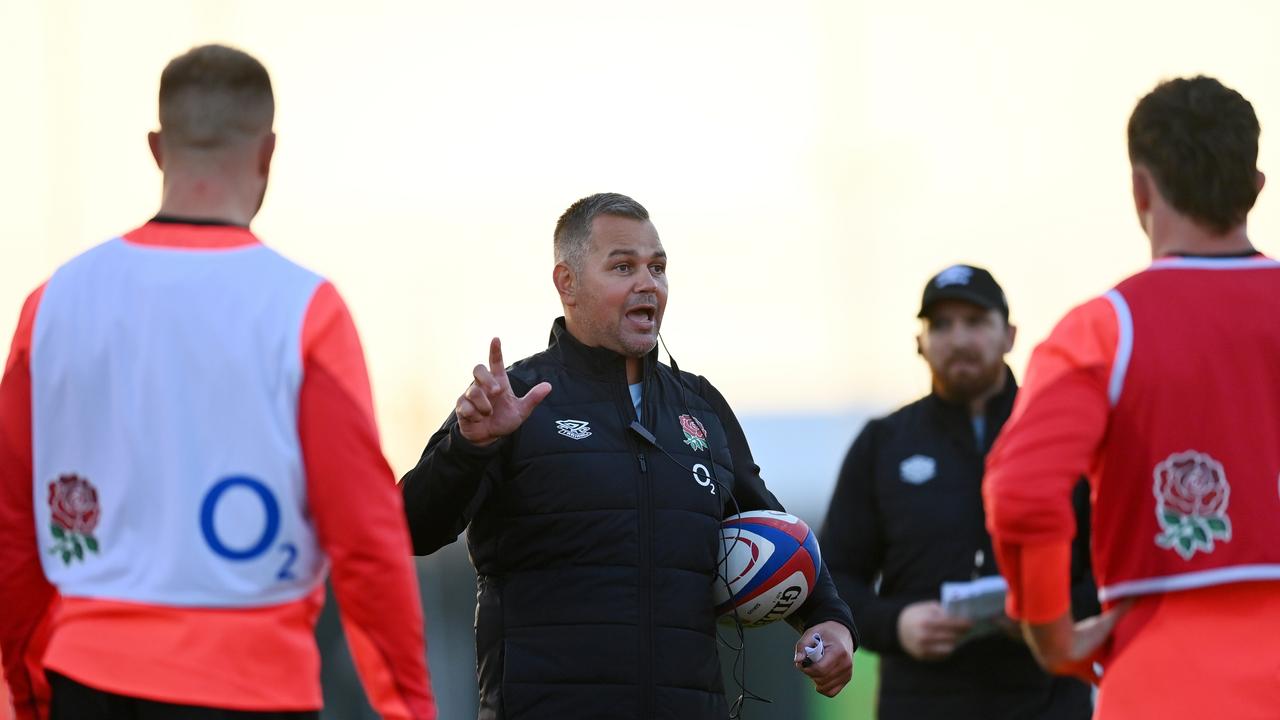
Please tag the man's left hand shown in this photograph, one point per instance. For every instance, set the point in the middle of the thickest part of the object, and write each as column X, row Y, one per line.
column 833, row 671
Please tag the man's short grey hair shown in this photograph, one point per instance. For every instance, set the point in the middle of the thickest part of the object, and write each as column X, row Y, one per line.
column 573, row 230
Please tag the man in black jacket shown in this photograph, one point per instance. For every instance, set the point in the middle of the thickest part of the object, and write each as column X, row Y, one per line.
column 593, row 480
column 907, row 516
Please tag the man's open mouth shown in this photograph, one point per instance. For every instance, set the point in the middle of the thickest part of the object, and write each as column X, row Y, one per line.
column 642, row 316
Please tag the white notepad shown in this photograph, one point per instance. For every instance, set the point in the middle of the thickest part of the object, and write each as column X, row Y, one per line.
column 977, row 600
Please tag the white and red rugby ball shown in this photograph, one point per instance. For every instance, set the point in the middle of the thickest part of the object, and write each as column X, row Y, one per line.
column 769, row 562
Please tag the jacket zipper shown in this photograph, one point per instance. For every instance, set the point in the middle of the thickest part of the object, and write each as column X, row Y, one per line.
column 646, row 567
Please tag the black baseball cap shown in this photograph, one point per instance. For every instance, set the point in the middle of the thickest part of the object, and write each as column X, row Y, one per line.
column 964, row 282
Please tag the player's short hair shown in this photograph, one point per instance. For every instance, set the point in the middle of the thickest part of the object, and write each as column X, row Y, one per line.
column 573, row 229
column 1199, row 139
column 213, row 95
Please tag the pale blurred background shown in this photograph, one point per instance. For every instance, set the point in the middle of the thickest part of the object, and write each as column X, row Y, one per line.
column 808, row 165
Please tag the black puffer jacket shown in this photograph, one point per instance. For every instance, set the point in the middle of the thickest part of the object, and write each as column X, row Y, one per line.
column 907, row 516
column 595, row 551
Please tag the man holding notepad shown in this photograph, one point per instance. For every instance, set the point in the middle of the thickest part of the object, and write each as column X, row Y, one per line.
column 905, row 537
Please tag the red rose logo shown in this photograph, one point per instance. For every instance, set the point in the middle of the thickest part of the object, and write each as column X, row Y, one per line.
column 1191, row 493
column 695, row 435
column 74, row 512
column 74, row 503
column 692, row 426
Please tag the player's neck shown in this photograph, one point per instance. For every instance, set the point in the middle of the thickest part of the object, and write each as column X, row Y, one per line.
column 204, row 198
column 1179, row 235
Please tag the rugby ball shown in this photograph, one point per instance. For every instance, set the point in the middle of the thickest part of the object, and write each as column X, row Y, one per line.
column 768, row 564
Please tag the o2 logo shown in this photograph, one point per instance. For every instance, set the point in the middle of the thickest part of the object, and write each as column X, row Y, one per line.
column 271, row 508
column 702, row 476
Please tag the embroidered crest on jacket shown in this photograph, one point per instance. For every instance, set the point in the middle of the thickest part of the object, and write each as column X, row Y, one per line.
column 695, row 434
column 918, row 469
column 574, row 429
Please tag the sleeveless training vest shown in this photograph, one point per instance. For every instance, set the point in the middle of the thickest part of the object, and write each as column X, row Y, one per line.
column 1186, row 487
column 224, row 470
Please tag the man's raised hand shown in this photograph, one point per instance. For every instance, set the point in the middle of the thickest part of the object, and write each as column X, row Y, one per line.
column 489, row 409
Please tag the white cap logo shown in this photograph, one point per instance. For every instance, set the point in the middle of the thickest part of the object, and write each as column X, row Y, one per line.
column 954, row 275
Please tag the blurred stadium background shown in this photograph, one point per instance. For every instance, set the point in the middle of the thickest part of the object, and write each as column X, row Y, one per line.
column 809, row 165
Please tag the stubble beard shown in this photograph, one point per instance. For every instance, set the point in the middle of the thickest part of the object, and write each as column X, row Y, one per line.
column 634, row 345
column 611, row 335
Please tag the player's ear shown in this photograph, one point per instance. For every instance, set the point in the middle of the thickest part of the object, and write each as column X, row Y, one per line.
column 566, row 283
column 153, row 140
column 266, row 150
column 1142, row 190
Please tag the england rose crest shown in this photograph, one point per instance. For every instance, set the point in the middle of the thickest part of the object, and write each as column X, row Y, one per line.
column 74, row 512
column 1191, row 503
column 695, row 435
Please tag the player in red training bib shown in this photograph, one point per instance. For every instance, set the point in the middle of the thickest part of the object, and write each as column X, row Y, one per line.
column 1164, row 390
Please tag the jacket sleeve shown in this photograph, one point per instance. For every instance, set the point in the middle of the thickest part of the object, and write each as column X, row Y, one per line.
column 853, row 545
column 26, row 596
column 447, row 486
column 749, row 490
column 358, row 515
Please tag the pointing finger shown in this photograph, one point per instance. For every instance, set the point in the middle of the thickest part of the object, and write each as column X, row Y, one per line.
column 496, row 367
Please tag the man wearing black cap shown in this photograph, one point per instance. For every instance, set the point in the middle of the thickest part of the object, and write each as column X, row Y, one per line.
column 907, row 516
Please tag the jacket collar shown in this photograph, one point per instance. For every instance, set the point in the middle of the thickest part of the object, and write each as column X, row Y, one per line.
column 597, row 361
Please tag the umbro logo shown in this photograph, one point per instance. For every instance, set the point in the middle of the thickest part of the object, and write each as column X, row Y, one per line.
column 574, row 429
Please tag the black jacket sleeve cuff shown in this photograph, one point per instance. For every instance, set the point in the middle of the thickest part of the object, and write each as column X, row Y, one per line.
column 458, row 445
column 825, row 605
